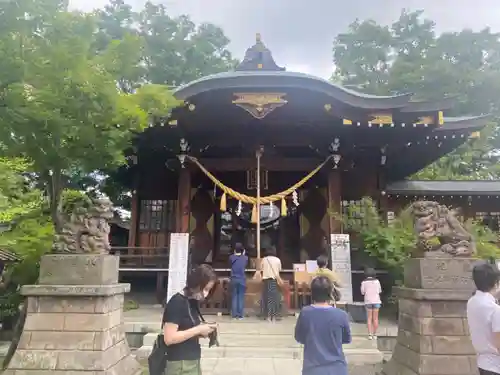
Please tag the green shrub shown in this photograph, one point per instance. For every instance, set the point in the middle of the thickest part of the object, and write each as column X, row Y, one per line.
column 393, row 243
column 130, row 305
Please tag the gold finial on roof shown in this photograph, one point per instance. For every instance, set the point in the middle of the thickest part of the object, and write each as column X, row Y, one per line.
column 257, row 38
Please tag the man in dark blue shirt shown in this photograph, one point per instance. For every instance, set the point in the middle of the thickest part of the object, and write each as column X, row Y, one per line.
column 238, row 261
column 322, row 329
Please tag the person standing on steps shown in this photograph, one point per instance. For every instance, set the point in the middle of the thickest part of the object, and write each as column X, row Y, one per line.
column 271, row 295
column 371, row 289
column 483, row 317
column 182, row 323
column 238, row 261
column 323, row 270
column 323, row 329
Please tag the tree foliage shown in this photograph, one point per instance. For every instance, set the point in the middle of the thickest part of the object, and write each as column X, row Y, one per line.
column 393, row 243
column 175, row 50
column 409, row 56
column 60, row 106
column 26, row 230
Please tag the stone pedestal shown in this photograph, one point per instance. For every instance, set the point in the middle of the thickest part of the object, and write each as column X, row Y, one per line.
column 433, row 337
column 74, row 323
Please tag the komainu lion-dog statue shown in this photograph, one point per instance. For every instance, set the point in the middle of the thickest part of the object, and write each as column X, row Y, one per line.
column 87, row 230
column 440, row 232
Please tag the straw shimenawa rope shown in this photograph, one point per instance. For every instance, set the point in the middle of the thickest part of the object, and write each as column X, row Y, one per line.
column 253, row 200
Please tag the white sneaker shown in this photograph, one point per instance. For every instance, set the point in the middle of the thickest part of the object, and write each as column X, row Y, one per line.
column 370, row 337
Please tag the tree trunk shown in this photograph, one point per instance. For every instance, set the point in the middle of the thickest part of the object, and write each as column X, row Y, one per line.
column 18, row 330
column 55, row 191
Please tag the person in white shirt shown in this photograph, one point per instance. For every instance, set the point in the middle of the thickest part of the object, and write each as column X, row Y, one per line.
column 483, row 315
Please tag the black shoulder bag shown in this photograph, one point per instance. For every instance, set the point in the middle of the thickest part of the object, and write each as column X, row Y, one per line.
column 157, row 360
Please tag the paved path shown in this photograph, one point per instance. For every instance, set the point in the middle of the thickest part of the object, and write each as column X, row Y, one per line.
column 230, row 366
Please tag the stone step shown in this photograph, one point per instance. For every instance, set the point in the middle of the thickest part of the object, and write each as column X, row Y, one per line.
column 267, row 341
column 262, row 327
column 251, row 325
column 353, row 356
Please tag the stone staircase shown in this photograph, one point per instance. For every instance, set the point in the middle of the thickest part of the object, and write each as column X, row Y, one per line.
column 252, row 338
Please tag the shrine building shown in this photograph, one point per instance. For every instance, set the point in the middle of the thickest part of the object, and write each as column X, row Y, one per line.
column 323, row 147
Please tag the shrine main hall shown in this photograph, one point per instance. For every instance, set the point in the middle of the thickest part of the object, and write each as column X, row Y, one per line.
column 321, row 148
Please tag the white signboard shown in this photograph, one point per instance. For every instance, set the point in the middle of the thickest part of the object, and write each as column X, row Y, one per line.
column 299, row 267
column 177, row 263
column 341, row 264
column 311, row 266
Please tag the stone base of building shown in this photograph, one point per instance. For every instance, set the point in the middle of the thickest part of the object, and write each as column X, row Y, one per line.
column 433, row 335
column 75, row 327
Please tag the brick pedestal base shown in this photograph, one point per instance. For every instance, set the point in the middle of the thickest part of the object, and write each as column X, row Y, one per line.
column 75, row 328
column 433, row 337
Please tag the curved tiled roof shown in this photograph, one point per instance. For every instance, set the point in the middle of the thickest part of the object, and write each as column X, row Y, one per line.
column 472, row 187
column 263, row 79
column 258, row 70
column 471, row 123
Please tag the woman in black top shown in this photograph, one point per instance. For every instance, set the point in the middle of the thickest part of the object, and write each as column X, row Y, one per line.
column 182, row 326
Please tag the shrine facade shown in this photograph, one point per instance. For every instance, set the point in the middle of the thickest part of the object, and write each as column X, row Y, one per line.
column 358, row 145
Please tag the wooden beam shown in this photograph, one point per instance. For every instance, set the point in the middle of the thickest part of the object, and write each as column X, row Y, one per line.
column 334, row 200
column 183, row 201
column 270, row 164
column 134, row 220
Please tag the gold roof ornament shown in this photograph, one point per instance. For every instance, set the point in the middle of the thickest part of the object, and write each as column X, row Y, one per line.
column 259, row 105
column 381, row 118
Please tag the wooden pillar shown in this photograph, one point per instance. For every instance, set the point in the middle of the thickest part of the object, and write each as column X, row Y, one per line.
column 183, row 201
column 134, row 219
column 334, row 200
column 383, row 205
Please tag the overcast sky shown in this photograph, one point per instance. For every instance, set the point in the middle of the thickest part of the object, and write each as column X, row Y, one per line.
column 300, row 32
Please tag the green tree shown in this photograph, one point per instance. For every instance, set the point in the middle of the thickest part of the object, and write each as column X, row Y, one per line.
column 59, row 106
column 409, row 56
column 175, row 50
column 26, row 231
column 362, row 56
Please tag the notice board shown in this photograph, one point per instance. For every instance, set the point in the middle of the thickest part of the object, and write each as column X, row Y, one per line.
column 177, row 263
column 341, row 264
